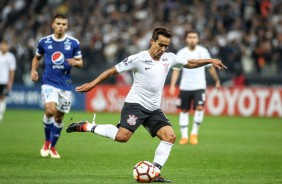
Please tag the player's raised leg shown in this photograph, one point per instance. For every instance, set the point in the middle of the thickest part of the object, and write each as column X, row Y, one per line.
column 105, row 130
column 121, row 133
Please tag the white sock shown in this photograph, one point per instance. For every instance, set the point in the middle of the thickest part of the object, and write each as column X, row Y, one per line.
column 58, row 125
column 109, row 131
column 47, row 120
column 162, row 153
column 2, row 106
column 89, row 126
column 198, row 119
column 183, row 123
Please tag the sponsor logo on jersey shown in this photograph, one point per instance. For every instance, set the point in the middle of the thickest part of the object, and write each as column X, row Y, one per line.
column 67, row 41
column 50, row 47
column 57, row 58
column 148, row 61
column 132, row 120
column 48, row 40
column 147, row 68
column 165, row 59
column 127, row 62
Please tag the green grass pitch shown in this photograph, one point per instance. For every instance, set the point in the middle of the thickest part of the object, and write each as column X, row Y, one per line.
column 233, row 150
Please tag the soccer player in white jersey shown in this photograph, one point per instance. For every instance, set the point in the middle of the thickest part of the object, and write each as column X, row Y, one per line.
column 61, row 53
column 7, row 75
column 142, row 104
column 192, row 87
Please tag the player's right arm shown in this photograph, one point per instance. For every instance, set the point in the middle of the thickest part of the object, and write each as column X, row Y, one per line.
column 195, row 63
column 35, row 62
column 125, row 65
column 174, row 77
column 103, row 76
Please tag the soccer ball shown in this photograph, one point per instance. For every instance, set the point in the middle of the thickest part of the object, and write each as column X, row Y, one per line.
column 144, row 172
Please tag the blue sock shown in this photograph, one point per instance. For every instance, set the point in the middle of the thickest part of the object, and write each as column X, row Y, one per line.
column 55, row 132
column 47, row 130
column 48, row 124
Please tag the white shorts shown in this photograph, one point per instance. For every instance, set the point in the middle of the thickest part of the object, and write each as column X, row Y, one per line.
column 61, row 97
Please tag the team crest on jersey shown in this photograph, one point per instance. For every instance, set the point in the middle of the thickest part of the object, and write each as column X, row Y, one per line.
column 132, row 120
column 67, row 47
column 57, row 58
column 165, row 67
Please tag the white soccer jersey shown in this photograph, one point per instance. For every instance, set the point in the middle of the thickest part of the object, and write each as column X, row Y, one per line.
column 7, row 64
column 149, row 77
column 193, row 79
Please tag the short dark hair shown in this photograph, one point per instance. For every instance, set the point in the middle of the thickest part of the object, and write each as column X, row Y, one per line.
column 191, row 31
column 60, row 16
column 5, row 41
column 161, row 31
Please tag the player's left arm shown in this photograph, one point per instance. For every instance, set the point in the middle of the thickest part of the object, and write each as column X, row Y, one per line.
column 12, row 71
column 195, row 63
column 77, row 62
column 11, row 79
column 214, row 75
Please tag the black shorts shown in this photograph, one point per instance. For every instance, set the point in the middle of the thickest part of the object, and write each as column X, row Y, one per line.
column 3, row 90
column 198, row 97
column 133, row 115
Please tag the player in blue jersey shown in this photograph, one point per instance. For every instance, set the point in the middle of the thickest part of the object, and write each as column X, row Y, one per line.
column 61, row 52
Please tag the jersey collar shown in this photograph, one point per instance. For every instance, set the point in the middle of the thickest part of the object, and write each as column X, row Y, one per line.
column 58, row 40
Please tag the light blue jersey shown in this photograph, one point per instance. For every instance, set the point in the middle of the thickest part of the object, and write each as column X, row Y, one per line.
column 56, row 51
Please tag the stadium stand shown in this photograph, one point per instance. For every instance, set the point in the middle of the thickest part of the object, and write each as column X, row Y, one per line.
column 245, row 34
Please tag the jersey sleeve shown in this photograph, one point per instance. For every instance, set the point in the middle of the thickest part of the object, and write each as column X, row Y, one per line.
column 127, row 64
column 13, row 65
column 40, row 49
column 178, row 54
column 77, row 51
column 178, row 62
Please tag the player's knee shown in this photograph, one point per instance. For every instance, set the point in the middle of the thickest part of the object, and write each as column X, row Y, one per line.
column 199, row 108
column 58, row 119
column 184, row 110
column 122, row 137
column 49, row 113
column 171, row 138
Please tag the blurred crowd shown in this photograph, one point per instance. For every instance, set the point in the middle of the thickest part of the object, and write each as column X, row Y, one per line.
column 245, row 34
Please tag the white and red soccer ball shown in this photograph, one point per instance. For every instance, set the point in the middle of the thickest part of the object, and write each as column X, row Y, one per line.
column 144, row 172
